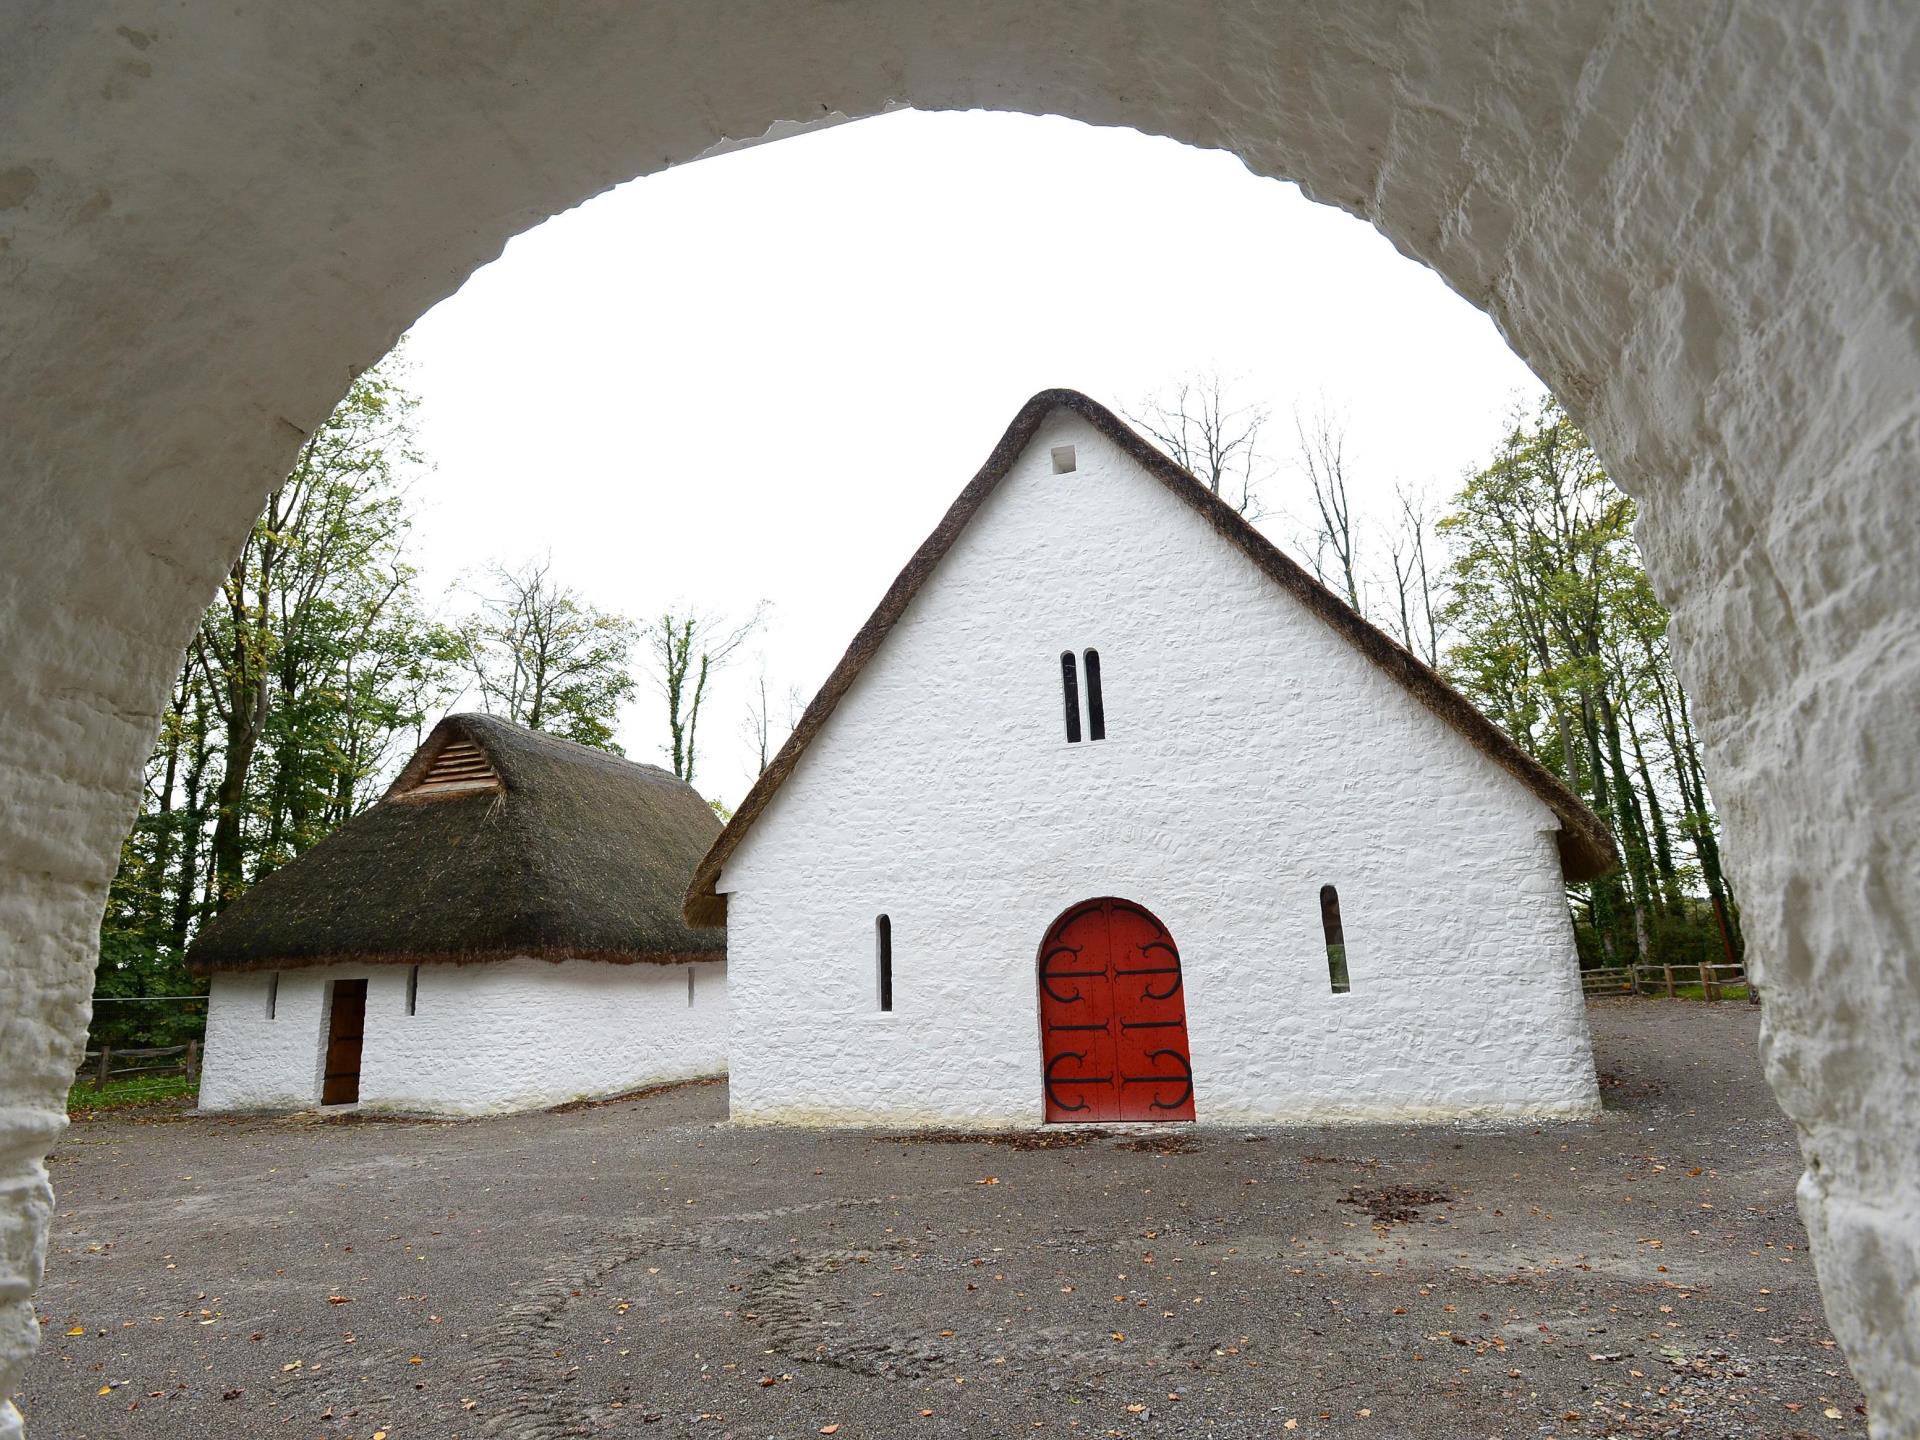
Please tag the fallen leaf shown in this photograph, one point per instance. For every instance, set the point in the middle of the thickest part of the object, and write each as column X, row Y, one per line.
column 990, row 1180
column 415, row 1360
column 339, row 1299
column 1291, row 1425
column 104, row 1390
column 78, row 1330
column 832, row 1429
column 1831, row 1413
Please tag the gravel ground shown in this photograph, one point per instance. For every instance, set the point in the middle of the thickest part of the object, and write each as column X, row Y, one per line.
column 638, row 1268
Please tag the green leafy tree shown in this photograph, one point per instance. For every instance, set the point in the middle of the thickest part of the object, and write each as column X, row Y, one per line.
column 1556, row 633
column 313, row 666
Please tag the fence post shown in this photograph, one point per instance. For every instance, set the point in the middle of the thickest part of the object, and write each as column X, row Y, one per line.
column 100, row 1073
column 193, row 1060
column 1667, row 970
column 1707, row 984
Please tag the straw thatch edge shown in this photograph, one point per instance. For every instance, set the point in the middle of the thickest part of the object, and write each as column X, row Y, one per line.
column 553, row 955
column 1586, row 845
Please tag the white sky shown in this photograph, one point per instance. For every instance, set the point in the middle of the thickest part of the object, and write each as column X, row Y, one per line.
column 765, row 375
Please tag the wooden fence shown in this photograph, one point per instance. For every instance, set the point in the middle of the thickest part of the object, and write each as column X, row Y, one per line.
column 1711, row 980
column 107, row 1062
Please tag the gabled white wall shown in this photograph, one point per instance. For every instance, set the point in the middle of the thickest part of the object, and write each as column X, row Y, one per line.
column 1252, row 756
column 483, row 1038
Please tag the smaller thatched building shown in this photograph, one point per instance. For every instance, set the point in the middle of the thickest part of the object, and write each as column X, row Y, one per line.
column 501, row 931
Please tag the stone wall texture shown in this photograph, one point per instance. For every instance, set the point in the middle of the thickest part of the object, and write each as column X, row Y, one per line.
column 483, row 1039
column 1251, row 756
column 1696, row 222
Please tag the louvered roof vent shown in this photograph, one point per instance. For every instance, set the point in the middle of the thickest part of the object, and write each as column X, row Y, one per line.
column 460, row 765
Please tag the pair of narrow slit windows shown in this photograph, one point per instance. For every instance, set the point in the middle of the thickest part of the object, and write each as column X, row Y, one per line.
column 1336, row 940
column 1070, row 693
column 883, row 961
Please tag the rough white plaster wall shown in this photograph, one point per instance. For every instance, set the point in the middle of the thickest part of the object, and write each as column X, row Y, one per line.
column 1696, row 222
column 483, row 1039
column 1251, row 757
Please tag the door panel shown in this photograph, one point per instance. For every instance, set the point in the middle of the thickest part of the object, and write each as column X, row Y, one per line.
column 1076, row 1010
column 1113, row 1017
column 1150, row 1018
column 346, row 1028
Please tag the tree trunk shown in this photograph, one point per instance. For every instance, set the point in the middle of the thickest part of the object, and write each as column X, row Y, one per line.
column 153, row 898
column 1705, row 844
column 1627, row 810
column 1606, row 890
column 1662, row 842
column 192, row 828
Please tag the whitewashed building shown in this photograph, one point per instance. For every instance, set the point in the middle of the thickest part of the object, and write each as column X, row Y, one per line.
column 501, row 931
column 1111, row 812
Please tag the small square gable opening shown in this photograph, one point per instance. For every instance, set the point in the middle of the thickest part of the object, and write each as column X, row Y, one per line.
column 460, row 766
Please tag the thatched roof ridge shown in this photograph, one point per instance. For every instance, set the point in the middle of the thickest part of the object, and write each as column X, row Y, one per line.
column 573, row 854
column 1586, row 846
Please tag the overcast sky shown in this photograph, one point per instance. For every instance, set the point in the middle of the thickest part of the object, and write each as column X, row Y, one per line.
column 765, row 375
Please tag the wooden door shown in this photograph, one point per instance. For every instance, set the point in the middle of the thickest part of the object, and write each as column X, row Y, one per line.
column 345, row 1029
column 1113, row 1017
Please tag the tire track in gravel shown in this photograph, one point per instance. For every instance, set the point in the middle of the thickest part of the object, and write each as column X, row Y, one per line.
column 518, row 1386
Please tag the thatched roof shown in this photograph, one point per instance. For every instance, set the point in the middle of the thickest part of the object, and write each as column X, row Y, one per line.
column 494, row 842
column 1586, row 846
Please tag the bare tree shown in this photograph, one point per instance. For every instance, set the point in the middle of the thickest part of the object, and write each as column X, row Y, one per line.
column 1210, row 437
column 757, row 726
column 546, row 659
column 689, row 649
column 1323, row 457
column 761, row 727
column 1406, row 541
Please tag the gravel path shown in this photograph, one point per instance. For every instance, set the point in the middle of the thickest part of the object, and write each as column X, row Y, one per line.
column 638, row 1268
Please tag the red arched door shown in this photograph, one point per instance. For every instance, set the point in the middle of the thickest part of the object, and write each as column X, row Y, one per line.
column 1113, row 1017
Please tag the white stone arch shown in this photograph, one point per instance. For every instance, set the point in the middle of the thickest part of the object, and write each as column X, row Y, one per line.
column 1697, row 223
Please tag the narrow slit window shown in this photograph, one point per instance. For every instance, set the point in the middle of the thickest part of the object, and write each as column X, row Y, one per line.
column 689, row 987
column 883, row 959
column 1336, row 940
column 1096, row 706
column 413, row 989
column 1070, row 692
column 273, row 994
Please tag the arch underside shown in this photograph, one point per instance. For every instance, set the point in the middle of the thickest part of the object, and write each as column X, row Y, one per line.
column 1696, row 223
